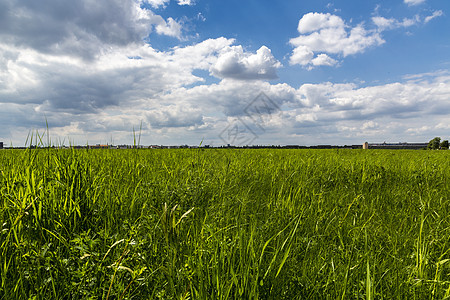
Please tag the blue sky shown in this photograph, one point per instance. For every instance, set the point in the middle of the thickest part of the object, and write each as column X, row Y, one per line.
column 332, row 72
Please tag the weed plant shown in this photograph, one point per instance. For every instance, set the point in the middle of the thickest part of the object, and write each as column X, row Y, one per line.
column 224, row 224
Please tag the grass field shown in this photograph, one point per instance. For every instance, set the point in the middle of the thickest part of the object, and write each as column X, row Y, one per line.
column 224, row 224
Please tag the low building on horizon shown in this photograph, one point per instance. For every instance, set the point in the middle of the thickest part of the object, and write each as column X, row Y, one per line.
column 98, row 146
column 404, row 145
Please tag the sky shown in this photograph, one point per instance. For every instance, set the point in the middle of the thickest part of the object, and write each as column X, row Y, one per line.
column 224, row 72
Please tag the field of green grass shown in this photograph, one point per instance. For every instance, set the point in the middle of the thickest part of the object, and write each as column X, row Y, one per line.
column 224, row 224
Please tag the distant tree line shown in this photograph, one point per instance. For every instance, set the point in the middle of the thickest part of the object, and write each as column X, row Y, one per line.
column 436, row 144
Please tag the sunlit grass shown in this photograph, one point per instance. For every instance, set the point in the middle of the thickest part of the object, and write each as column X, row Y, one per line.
column 224, row 224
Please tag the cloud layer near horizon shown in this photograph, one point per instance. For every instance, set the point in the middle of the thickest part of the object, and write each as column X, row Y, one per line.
column 88, row 68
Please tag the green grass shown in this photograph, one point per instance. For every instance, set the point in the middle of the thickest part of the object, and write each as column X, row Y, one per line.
column 224, row 224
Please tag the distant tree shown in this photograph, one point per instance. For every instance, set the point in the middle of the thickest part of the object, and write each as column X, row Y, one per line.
column 434, row 143
column 444, row 145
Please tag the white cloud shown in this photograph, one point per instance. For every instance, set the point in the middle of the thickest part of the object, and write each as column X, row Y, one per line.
column 385, row 24
column 435, row 14
column 153, row 90
column 370, row 125
column 174, row 115
column 202, row 55
column 235, row 63
column 316, row 110
column 122, row 86
column 306, row 117
column 302, row 55
column 169, row 28
column 92, row 83
column 412, row 111
column 414, row 2
column 325, row 34
column 186, row 2
column 119, row 75
column 163, row 3
column 315, row 21
column 399, row 100
column 80, row 28
column 323, row 60
column 157, row 3
column 419, row 130
column 230, row 97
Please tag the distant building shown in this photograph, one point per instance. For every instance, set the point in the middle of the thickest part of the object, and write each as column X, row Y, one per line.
column 1, row 145
column 366, row 145
column 410, row 146
column 99, row 146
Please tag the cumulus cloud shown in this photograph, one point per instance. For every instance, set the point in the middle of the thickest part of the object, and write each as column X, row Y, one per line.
column 174, row 115
column 122, row 74
column 323, row 60
column 397, row 100
column 383, row 23
column 414, row 2
column 235, row 63
column 370, row 125
column 79, row 28
column 92, row 83
column 302, row 55
column 312, row 22
column 202, row 55
column 314, row 110
column 326, row 37
column 169, row 28
column 324, row 34
column 88, row 57
column 171, row 111
column 393, row 112
column 163, row 3
column 121, row 87
column 231, row 97
column 157, row 3
column 186, row 2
